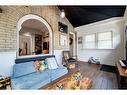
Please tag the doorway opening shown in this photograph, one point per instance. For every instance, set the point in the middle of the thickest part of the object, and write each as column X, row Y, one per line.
column 34, row 36
column 72, row 43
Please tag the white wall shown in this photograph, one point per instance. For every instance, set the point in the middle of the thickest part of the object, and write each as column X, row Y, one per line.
column 125, row 25
column 106, row 56
column 58, row 54
column 6, row 62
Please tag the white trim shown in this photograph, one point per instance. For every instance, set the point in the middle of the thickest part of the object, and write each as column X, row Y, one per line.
column 112, row 44
column 74, row 46
column 29, row 56
column 124, row 41
column 96, row 41
column 84, row 41
column 31, row 16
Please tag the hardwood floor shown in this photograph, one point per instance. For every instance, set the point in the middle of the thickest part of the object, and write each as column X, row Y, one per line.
column 101, row 79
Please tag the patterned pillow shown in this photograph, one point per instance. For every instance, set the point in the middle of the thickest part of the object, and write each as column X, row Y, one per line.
column 37, row 65
column 43, row 66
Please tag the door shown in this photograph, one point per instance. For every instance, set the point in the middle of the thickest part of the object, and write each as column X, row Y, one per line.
column 71, row 44
column 25, row 45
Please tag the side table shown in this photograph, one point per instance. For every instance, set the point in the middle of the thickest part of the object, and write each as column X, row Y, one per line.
column 70, row 65
column 121, row 77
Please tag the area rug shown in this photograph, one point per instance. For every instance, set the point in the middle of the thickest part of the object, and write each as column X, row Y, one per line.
column 108, row 68
column 74, row 81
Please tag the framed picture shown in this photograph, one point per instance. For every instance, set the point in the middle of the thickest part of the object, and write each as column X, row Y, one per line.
column 63, row 40
column 62, row 27
column 79, row 40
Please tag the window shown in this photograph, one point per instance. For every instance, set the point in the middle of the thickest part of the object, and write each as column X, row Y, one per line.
column 105, row 40
column 89, row 41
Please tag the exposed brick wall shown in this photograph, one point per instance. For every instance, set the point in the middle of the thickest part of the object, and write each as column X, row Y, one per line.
column 11, row 15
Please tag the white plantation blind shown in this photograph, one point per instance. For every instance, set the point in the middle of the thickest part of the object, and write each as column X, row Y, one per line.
column 89, row 41
column 105, row 40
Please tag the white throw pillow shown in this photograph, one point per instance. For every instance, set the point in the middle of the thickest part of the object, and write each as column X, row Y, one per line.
column 52, row 64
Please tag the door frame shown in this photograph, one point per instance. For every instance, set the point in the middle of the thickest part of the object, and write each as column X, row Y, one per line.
column 74, row 43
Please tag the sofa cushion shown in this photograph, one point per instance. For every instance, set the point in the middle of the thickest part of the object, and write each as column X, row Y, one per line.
column 56, row 73
column 34, row 80
column 52, row 63
column 23, row 69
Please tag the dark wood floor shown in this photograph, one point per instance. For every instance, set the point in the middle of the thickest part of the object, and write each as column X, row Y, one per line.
column 101, row 79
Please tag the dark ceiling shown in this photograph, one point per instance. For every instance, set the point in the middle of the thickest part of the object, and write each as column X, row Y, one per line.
column 82, row 15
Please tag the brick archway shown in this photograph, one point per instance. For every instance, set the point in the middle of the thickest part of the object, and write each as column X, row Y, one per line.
column 31, row 16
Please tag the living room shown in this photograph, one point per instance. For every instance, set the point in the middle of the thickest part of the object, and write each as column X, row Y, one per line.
column 93, row 35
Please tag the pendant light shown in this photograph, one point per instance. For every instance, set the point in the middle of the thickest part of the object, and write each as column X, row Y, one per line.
column 0, row 10
column 62, row 15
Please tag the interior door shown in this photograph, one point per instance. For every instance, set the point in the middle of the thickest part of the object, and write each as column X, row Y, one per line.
column 25, row 45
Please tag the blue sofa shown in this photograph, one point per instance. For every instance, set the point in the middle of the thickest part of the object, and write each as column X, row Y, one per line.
column 25, row 76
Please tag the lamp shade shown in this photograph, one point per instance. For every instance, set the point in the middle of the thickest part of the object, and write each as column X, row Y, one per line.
column 62, row 15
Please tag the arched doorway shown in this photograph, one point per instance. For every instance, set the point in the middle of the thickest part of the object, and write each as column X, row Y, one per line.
column 32, row 31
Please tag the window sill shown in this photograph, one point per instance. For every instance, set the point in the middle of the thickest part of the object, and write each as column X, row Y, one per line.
column 29, row 56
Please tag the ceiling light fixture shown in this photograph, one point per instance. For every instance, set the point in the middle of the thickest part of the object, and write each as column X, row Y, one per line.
column 62, row 15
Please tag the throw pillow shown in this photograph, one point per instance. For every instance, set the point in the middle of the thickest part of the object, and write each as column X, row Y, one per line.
column 37, row 65
column 43, row 66
column 52, row 64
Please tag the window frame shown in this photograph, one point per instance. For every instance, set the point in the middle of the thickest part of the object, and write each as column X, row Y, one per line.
column 91, row 41
column 105, row 40
column 97, row 41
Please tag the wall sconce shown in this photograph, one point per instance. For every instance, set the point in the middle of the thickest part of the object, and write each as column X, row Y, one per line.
column 0, row 10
